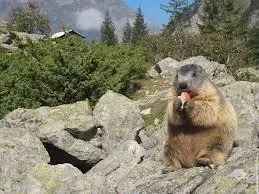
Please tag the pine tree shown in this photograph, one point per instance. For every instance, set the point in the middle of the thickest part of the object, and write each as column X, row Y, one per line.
column 127, row 33
column 108, row 35
column 175, row 8
column 140, row 28
column 29, row 20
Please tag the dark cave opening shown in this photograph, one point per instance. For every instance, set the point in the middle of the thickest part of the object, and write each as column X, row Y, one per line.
column 59, row 156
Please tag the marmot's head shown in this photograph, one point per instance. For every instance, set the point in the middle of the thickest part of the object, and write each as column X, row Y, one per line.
column 189, row 78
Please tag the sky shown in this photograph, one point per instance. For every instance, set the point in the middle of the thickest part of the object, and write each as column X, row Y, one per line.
column 151, row 9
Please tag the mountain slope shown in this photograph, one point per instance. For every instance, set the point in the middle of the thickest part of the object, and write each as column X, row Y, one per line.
column 191, row 20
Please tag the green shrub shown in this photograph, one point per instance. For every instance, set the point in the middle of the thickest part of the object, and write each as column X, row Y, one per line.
column 68, row 70
column 232, row 52
column 253, row 45
column 180, row 47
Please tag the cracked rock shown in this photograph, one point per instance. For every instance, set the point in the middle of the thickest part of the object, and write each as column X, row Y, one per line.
column 245, row 98
column 118, row 164
column 225, row 179
column 120, row 118
column 65, row 127
column 44, row 178
column 20, row 151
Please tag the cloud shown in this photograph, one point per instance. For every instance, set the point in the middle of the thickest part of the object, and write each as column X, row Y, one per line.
column 90, row 19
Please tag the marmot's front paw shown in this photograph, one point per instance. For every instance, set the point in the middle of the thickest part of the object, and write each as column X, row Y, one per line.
column 177, row 104
column 188, row 106
column 202, row 162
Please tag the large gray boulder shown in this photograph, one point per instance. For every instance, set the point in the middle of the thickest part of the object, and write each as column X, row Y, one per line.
column 118, row 164
column 75, row 118
column 120, row 118
column 20, row 151
column 152, row 73
column 44, row 178
column 147, row 168
column 236, row 176
column 86, row 184
column 245, row 98
column 165, row 67
column 24, row 37
column 64, row 148
column 152, row 136
column 104, row 177
column 8, row 40
column 217, row 72
column 67, row 128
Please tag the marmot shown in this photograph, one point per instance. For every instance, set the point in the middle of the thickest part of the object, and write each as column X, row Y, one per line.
column 200, row 131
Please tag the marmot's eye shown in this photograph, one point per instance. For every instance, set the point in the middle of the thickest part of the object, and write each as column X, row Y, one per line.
column 194, row 74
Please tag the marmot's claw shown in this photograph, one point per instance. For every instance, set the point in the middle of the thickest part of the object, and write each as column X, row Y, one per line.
column 177, row 104
column 188, row 106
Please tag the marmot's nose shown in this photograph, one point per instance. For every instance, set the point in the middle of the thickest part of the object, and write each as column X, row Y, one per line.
column 183, row 86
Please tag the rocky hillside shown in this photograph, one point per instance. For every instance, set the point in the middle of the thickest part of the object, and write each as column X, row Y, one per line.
column 117, row 147
column 248, row 9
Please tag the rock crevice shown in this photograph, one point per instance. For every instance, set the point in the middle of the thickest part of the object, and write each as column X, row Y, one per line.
column 58, row 156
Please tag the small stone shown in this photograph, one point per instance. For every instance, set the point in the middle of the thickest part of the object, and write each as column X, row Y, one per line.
column 146, row 111
column 156, row 121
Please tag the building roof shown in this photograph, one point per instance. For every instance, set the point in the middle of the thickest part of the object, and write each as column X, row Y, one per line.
column 63, row 33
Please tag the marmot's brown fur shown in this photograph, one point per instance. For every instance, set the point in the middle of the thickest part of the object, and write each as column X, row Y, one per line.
column 201, row 133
